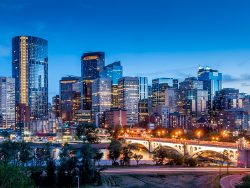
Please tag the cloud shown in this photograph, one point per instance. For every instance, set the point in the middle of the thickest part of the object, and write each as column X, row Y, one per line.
column 245, row 84
column 229, row 78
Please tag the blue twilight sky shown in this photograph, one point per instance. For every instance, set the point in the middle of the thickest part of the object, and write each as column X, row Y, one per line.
column 154, row 38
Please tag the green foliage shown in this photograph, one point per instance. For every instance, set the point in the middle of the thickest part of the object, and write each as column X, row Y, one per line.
column 245, row 182
column 87, row 132
column 137, row 158
column 190, row 162
column 11, row 176
column 5, row 134
column 161, row 154
column 114, row 151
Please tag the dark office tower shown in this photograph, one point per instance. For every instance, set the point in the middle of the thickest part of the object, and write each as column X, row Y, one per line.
column 175, row 83
column 56, row 106
column 30, row 70
column 212, row 82
column 159, row 86
column 227, row 99
column 70, row 97
column 113, row 71
column 92, row 64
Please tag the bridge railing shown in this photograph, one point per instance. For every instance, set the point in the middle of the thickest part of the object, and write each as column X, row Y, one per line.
column 193, row 142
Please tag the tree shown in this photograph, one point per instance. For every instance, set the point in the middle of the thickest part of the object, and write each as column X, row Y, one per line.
column 137, row 158
column 245, row 182
column 50, row 169
column 160, row 154
column 190, row 162
column 5, row 134
column 87, row 132
column 24, row 152
column 98, row 157
column 11, row 176
column 114, row 151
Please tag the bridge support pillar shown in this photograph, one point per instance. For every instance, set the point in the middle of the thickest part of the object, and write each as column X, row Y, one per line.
column 244, row 158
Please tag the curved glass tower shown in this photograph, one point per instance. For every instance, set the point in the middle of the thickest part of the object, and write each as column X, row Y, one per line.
column 30, row 70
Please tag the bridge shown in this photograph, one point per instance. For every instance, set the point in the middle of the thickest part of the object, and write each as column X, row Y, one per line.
column 236, row 152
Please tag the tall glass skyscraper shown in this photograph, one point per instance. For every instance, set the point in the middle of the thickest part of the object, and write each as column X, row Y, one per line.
column 7, row 102
column 30, row 70
column 212, row 82
column 70, row 94
column 101, row 99
column 92, row 64
column 159, row 86
column 114, row 71
column 128, row 89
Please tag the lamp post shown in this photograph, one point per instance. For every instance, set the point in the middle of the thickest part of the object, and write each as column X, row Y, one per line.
column 199, row 136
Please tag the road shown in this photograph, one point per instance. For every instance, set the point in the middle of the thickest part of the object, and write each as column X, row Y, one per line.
column 230, row 181
column 148, row 170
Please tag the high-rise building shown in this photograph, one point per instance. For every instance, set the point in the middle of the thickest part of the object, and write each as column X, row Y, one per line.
column 101, row 99
column 114, row 71
column 143, row 98
column 91, row 66
column 56, row 106
column 7, row 102
column 171, row 99
column 227, row 98
column 159, row 86
column 70, row 97
column 212, row 82
column 30, row 70
column 175, row 83
column 115, row 118
column 193, row 98
column 128, row 89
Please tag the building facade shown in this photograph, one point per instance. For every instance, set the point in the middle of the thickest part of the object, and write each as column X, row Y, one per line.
column 30, row 70
column 92, row 64
column 128, row 89
column 101, row 99
column 7, row 103
column 114, row 71
column 70, row 97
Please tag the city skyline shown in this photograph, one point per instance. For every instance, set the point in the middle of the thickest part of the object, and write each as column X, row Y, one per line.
column 171, row 37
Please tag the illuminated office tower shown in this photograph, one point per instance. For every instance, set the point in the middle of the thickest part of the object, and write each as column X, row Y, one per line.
column 70, row 97
column 92, row 64
column 113, row 71
column 143, row 98
column 128, row 89
column 159, row 86
column 212, row 82
column 30, row 70
column 193, row 98
column 7, row 102
column 101, row 99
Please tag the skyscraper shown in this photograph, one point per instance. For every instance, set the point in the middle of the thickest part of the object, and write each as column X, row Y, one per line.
column 56, row 106
column 114, row 71
column 212, row 82
column 70, row 93
column 159, row 86
column 128, row 89
column 30, row 70
column 101, row 99
column 91, row 66
column 193, row 98
column 7, row 102
column 143, row 98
